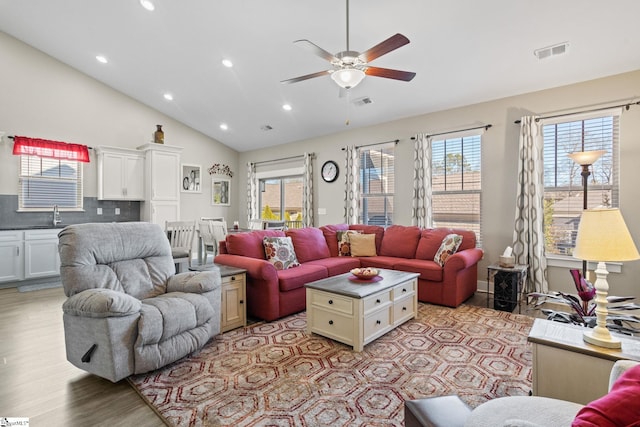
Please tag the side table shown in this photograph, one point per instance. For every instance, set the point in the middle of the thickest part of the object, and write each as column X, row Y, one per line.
column 233, row 310
column 508, row 284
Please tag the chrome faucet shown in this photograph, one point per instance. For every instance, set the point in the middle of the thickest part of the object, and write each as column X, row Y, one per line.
column 56, row 216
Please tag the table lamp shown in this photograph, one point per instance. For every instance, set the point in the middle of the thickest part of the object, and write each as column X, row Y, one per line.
column 603, row 236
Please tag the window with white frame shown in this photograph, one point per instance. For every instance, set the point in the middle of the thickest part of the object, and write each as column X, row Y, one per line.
column 45, row 182
column 377, row 184
column 563, row 188
column 280, row 194
column 456, row 183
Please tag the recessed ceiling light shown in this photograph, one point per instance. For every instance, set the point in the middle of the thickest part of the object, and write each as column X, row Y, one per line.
column 286, row 107
column 227, row 63
column 168, row 97
column 147, row 4
column 101, row 59
column 224, row 126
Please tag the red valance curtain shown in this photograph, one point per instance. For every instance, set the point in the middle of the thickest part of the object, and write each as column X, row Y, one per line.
column 50, row 149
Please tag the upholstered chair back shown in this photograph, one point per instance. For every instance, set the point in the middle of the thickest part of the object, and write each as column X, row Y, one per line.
column 134, row 258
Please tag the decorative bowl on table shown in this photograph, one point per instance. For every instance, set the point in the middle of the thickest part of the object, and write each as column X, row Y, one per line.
column 366, row 273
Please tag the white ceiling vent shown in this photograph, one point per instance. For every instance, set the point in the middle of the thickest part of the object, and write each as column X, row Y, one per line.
column 546, row 52
column 265, row 128
column 362, row 101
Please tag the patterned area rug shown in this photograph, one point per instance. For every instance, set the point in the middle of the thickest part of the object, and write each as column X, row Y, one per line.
column 274, row 374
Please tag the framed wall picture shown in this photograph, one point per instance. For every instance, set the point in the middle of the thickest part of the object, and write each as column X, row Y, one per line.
column 220, row 192
column 191, row 179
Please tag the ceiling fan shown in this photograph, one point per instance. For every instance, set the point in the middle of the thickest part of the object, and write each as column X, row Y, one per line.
column 350, row 67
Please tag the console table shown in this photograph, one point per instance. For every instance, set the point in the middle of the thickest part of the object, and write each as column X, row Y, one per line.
column 565, row 367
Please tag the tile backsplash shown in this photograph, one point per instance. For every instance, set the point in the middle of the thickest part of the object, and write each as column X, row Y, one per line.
column 10, row 218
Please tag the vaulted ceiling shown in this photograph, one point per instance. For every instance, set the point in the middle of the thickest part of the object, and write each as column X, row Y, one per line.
column 463, row 51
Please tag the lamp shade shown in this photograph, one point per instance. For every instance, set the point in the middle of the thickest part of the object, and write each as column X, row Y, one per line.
column 585, row 158
column 347, row 77
column 604, row 236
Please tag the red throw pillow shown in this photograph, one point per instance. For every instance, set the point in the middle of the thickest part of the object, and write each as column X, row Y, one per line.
column 618, row 408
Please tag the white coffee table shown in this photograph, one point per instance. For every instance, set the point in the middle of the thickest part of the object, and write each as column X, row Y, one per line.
column 356, row 312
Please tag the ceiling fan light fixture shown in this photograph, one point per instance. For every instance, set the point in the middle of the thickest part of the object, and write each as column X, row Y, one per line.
column 348, row 78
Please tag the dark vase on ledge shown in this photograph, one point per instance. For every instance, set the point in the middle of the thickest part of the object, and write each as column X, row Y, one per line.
column 158, row 135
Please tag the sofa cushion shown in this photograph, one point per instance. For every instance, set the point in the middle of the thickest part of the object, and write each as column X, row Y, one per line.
column 250, row 244
column 337, row 265
column 296, row 278
column 431, row 239
column 329, row 232
column 363, row 244
column 370, row 229
column 428, row 270
column 448, row 247
column 619, row 407
column 309, row 243
column 400, row 241
column 279, row 252
column 344, row 244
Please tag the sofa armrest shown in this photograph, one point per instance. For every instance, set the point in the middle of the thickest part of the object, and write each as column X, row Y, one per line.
column 101, row 303
column 619, row 368
column 463, row 259
column 258, row 269
column 194, row 282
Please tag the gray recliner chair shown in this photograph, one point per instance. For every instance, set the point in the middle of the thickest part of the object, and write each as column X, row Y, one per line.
column 127, row 311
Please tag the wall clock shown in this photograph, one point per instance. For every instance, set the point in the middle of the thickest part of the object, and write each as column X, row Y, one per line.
column 329, row 171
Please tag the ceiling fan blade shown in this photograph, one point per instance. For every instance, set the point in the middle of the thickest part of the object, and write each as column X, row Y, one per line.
column 314, row 48
column 306, row 77
column 392, row 43
column 389, row 73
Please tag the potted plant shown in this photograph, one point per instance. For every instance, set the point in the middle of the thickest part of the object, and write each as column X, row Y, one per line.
column 583, row 307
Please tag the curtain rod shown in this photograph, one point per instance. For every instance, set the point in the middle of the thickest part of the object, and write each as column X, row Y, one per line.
column 395, row 141
column 300, row 156
column 485, row 127
column 626, row 107
column 13, row 137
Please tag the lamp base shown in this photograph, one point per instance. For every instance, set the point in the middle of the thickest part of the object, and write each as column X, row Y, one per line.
column 600, row 340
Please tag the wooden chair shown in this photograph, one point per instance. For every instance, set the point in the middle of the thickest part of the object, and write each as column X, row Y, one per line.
column 181, row 235
column 256, row 224
column 211, row 233
column 274, row 225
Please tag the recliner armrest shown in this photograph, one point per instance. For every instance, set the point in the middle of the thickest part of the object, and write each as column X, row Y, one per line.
column 101, row 303
column 195, row 282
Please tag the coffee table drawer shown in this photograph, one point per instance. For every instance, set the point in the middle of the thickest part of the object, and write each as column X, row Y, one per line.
column 377, row 323
column 376, row 301
column 404, row 289
column 404, row 309
column 333, row 325
column 332, row 302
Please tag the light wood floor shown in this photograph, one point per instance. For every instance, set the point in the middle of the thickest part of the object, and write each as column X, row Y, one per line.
column 37, row 382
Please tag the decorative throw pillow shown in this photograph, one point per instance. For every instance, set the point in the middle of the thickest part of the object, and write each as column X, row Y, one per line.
column 344, row 244
column 448, row 247
column 619, row 407
column 279, row 252
column 363, row 244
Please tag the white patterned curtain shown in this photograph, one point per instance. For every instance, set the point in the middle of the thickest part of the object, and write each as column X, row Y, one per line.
column 307, row 189
column 528, row 234
column 252, row 193
column 422, row 211
column 351, row 185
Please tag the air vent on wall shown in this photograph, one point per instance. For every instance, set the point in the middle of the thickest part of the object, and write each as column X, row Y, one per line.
column 362, row 101
column 549, row 51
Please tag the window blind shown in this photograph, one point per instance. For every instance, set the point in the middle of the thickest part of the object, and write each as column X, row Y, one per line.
column 45, row 182
column 377, row 184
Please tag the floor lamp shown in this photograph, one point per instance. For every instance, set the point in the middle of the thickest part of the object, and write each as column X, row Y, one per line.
column 603, row 236
column 585, row 159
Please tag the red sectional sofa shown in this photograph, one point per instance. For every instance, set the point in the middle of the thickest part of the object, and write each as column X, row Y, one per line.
column 272, row 294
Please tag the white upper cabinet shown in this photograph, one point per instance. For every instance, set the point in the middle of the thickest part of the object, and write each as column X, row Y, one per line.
column 120, row 174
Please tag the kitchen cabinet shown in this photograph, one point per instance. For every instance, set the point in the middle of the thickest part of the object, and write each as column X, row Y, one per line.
column 162, row 183
column 120, row 174
column 11, row 256
column 41, row 258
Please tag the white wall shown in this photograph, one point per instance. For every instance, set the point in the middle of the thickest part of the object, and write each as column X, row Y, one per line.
column 41, row 97
column 499, row 163
column 44, row 98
